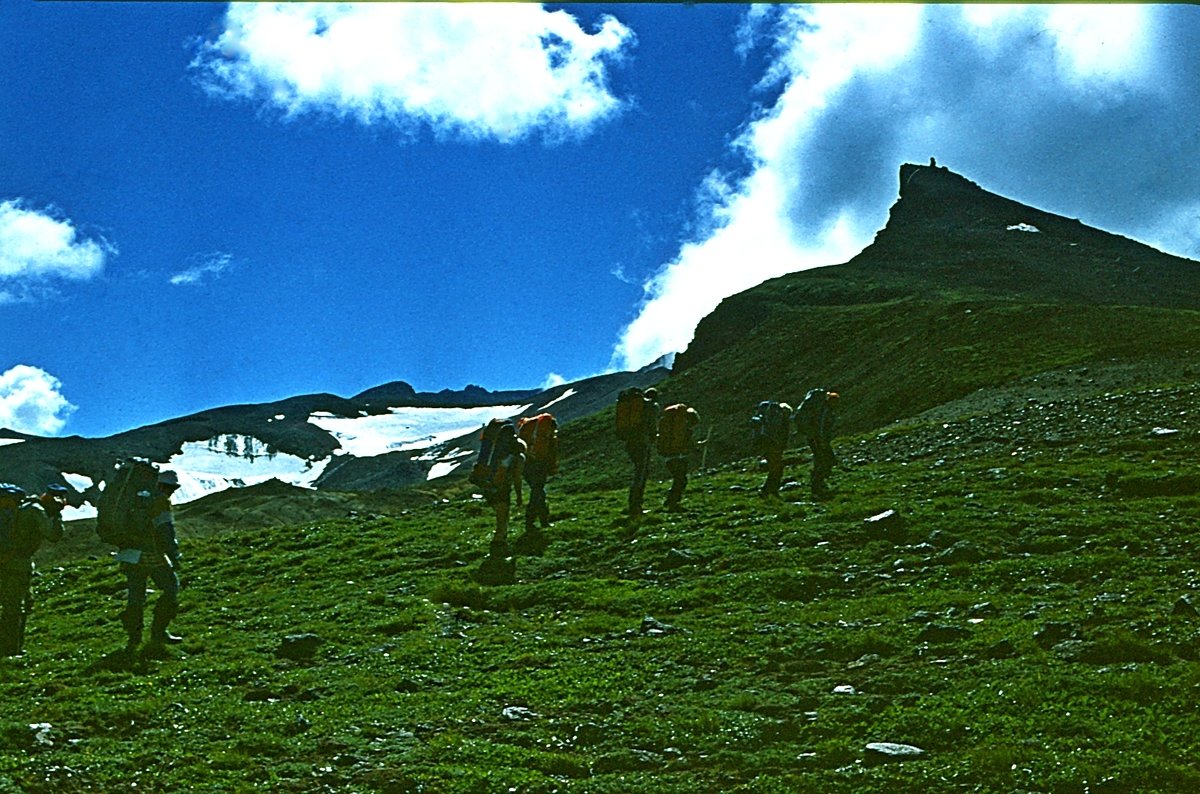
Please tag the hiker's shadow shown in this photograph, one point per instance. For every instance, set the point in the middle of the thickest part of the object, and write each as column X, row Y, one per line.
column 122, row 660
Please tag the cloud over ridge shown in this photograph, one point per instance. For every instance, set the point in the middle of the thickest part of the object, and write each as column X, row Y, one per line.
column 480, row 71
column 31, row 401
column 1053, row 103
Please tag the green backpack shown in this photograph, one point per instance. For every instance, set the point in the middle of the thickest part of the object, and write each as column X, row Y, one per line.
column 120, row 514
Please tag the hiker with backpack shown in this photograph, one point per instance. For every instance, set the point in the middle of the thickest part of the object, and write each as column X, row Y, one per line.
column 675, row 428
column 150, row 553
column 814, row 421
column 540, row 434
column 769, row 432
column 25, row 522
column 637, row 427
column 497, row 472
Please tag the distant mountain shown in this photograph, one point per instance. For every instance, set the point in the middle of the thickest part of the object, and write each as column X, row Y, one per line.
column 399, row 393
column 387, row 437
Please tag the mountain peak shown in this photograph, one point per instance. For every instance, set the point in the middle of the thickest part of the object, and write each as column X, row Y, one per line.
column 949, row 232
column 394, row 390
column 933, row 177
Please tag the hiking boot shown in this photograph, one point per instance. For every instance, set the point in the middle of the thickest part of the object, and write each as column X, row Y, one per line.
column 131, row 619
column 532, row 541
column 165, row 637
column 499, row 549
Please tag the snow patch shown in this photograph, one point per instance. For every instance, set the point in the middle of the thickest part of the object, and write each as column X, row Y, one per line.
column 86, row 510
column 442, row 468
column 231, row 461
column 558, row 399
column 6, row 441
column 1022, row 227
column 435, row 454
column 409, row 428
column 80, row 482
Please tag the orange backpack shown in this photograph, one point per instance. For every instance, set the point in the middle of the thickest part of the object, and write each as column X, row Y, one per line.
column 632, row 415
column 540, row 434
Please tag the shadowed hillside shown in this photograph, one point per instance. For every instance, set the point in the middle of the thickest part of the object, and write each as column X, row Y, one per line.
column 962, row 290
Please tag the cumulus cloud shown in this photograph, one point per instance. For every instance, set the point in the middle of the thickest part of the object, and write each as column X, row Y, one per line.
column 1082, row 111
column 36, row 246
column 31, row 401
column 204, row 267
column 485, row 71
column 552, row 380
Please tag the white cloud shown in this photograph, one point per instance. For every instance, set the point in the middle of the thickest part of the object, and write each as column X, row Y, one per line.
column 1066, row 108
column 31, row 402
column 35, row 245
column 498, row 71
column 208, row 266
column 752, row 238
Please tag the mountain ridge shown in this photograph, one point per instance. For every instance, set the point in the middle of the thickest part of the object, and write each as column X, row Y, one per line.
column 307, row 439
column 961, row 290
column 954, row 295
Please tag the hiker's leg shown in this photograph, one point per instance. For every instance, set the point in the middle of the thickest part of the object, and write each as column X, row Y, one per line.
column 11, row 605
column 536, row 506
column 640, row 454
column 167, row 605
column 135, row 602
column 774, row 470
column 678, row 470
column 822, row 464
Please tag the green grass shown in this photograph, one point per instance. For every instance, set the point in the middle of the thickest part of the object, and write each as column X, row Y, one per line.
column 1022, row 628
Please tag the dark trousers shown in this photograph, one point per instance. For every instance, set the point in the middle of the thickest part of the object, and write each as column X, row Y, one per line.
column 774, row 457
column 537, row 509
column 639, row 455
column 165, row 608
column 15, row 603
column 677, row 467
column 822, row 462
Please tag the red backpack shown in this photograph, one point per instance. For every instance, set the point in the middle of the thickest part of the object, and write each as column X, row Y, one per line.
column 540, row 434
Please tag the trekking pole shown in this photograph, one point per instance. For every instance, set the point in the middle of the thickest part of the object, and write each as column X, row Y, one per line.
column 704, row 453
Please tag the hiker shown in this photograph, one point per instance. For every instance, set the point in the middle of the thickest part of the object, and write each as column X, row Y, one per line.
column 675, row 428
column 24, row 524
column 770, row 429
column 637, row 426
column 814, row 421
column 152, row 556
column 53, row 500
column 498, row 475
column 540, row 434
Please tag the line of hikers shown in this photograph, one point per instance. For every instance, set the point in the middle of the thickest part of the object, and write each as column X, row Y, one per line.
column 134, row 515
column 527, row 449
column 134, row 511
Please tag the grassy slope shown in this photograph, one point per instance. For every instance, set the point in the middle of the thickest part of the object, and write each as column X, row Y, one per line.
column 1022, row 628
column 895, row 359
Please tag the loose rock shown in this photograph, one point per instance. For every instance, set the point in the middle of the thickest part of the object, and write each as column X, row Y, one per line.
column 299, row 646
column 892, row 751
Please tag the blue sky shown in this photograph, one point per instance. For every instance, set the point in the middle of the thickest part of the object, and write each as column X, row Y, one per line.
column 208, row 204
